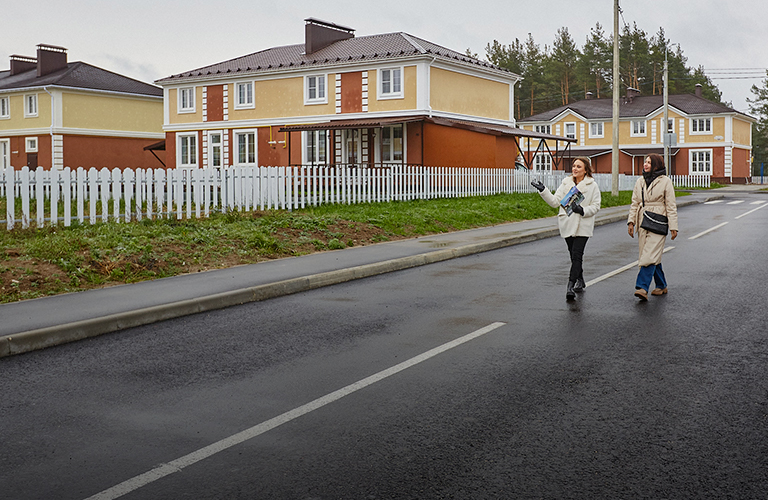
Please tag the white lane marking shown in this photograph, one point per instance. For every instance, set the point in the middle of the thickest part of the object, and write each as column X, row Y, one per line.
column 617, row 271
column 708, row 231
column 759, row 202
column 753, row 210
column 712, row 202
column 735, row 202
column 176, row 465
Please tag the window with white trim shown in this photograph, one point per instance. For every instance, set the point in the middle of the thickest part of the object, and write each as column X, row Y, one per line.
column 187, row 100
column 186, row 153
column 30, row 105
column 315, row 142
column 638, row 128
column 670, row 125
column 214, row 149
column 30, row 145
column 701, row 125
column 245, row 142
column 570, row 130
column 392, row 144
column 5, row 107
column 315, row 90
column 5, row 153
column 544, row 129
column 244, row 93
column 390, row 83
column 596, row 130
column 701, row 161
column 542, row 163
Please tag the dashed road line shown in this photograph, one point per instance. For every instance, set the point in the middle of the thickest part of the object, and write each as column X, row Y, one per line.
column 712, row 202
column 180, row 463
column 707, row 231
column 736, row 202
column 753, row 210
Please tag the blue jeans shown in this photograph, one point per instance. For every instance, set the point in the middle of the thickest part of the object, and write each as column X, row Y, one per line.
column 647, row 273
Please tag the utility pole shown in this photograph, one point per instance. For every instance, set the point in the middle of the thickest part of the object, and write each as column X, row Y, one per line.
column 616, row 90
column 666, row 112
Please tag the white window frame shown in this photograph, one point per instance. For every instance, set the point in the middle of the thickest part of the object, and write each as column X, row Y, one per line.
column 595, row 134
column 638, row 128
column 697, row 124
column 700, row 162
column 213, row 147
column 30, row 106
column 390, row 148
column 189, row 106
column 182, row 160
column 543, row 129
column 244, row 95
column 31, row 144
column 5, row 108
column 391, row 83
column 352, row 145
column 315, row 150
column 571, row 135
column 236, row 136
column 670, row 125
column 5, row 153
column 319, row 84
column 542, row 162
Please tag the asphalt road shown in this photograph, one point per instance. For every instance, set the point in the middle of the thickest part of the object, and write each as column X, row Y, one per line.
column 471, row 378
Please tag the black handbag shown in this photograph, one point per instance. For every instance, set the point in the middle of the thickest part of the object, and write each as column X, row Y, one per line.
column 655, row 223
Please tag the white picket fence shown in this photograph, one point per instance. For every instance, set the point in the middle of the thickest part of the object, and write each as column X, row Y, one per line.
column 61, row 196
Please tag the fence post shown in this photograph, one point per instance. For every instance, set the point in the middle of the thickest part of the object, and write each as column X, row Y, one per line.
column 10, row 192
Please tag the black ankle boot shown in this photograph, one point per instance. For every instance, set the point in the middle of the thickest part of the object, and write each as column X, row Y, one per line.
column 579, row 286
column 570, row 294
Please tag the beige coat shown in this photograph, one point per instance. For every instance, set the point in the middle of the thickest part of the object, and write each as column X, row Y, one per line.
column 659, row 199
column 575, row 224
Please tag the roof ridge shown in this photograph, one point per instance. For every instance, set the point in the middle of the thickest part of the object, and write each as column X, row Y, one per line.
column 413, row 42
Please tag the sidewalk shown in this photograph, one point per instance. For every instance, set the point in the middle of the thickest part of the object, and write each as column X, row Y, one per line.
column 44, row 322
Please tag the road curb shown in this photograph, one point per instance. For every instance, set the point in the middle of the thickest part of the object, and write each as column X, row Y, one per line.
column 31, row 340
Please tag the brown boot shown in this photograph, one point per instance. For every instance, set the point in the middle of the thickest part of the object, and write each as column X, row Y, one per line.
column 659, row 291
column 641, row 294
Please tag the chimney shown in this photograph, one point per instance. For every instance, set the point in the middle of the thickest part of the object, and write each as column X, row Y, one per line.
column 20, row 64
column 631, row 94
column 698, row 89
column 320, row 34
column 588, row 96
column 50, row 58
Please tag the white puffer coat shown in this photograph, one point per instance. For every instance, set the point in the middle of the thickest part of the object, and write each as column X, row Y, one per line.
column 575, row 224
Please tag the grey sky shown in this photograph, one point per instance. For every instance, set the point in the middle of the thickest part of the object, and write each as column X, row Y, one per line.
column 149, row 40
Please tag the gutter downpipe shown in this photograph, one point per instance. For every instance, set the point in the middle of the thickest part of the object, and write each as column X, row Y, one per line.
column 53, row 114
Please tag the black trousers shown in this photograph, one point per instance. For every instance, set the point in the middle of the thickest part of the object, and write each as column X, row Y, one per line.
column 576, row 245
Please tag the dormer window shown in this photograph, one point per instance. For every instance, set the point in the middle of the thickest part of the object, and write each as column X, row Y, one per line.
column 315, row 90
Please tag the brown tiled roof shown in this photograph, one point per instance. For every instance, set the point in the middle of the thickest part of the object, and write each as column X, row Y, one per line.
column 79, row 75
column 640, row 106
column 364, row 48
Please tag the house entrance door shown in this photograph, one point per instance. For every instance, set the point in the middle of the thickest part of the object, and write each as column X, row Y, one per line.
column 32, row 160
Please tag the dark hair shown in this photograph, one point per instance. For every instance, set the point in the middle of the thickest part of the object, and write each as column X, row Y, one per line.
column 657, row 162
column 587, row 164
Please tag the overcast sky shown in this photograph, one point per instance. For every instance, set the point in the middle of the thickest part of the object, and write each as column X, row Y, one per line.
column 148, row 40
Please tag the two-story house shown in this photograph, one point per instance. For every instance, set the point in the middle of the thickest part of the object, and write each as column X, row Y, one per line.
column 341, row 99
column 72, row 114
column 705, row 137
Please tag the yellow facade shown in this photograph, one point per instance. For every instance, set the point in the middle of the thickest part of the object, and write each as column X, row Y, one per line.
column 18, row 121
column 88, row 111
column 185, row 117
column 468, row 95
column 409, row 93
column 742, row 132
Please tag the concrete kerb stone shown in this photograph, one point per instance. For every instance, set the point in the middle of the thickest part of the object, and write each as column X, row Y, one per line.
column 51, row 336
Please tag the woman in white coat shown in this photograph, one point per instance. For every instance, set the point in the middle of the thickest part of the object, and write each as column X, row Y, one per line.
column 577, row 227
column 656, row 189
